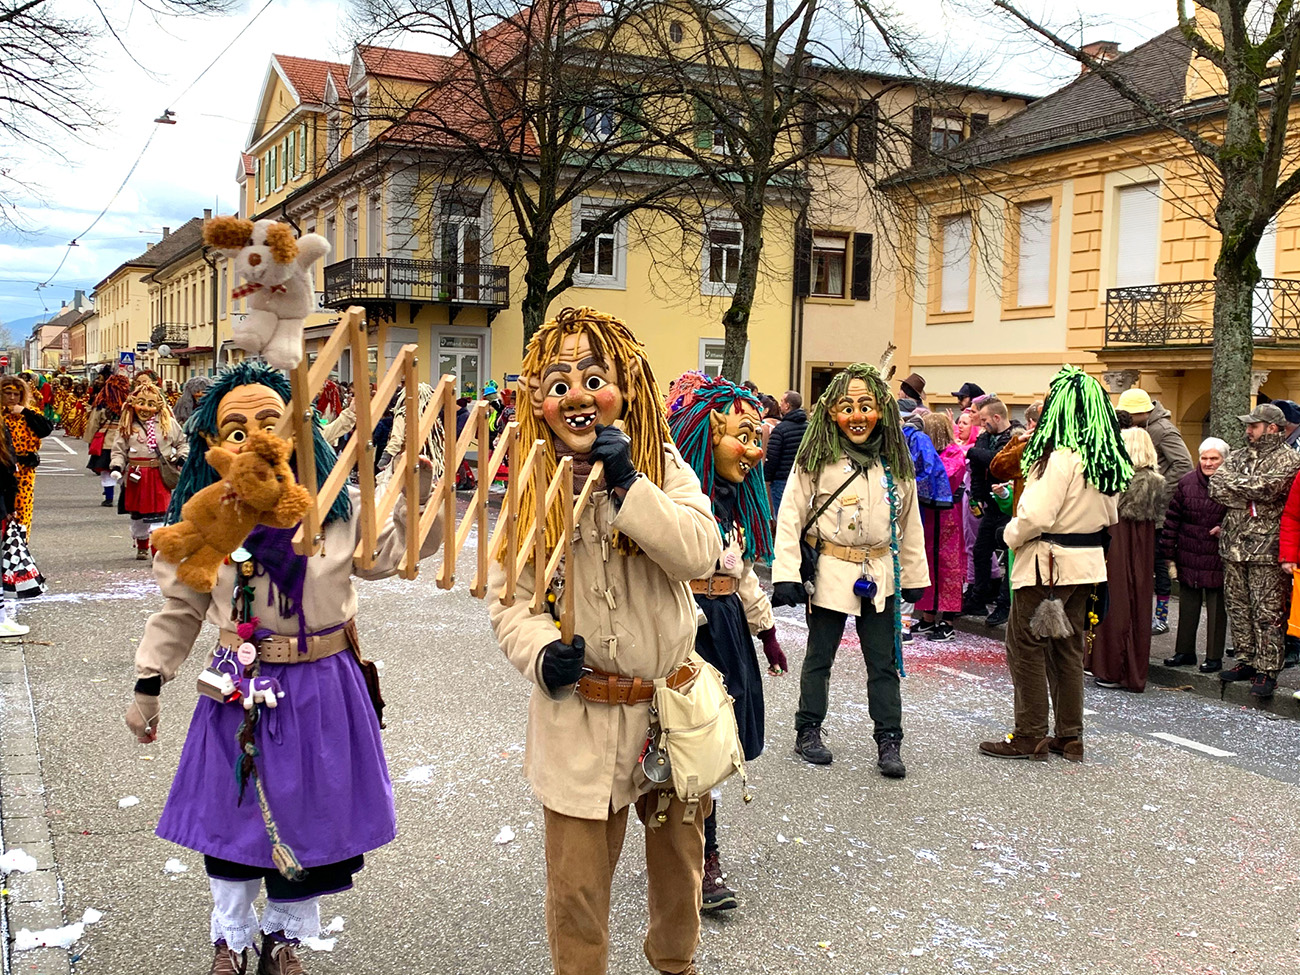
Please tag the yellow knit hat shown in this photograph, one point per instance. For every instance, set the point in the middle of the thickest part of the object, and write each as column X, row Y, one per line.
column 1135, row 400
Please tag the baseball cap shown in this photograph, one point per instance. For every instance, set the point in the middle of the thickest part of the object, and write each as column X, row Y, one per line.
column 1135, row 400
column 1290, row 409
column 968, row 389
column 1264, row 413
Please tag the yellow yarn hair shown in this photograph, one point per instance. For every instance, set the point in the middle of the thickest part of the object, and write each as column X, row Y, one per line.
column 643, row 417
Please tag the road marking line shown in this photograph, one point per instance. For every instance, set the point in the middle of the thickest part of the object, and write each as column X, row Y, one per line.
column 1088, row 711
column 965, row 675
column 63, row 445
column 1188, row 743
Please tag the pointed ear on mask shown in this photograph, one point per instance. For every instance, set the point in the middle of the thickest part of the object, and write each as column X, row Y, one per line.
column 717, row 426
column 631, row 380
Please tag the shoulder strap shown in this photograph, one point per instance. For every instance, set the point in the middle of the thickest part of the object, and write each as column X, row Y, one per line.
column 840, row 490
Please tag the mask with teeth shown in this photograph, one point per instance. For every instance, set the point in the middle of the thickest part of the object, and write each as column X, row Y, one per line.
column 578, row 390
column 737, row 442
column 856, row 412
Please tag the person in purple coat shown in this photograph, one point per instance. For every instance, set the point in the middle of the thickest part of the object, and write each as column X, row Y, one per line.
column 1190, row 541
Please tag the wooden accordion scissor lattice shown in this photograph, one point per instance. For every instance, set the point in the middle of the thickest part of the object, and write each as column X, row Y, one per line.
column 376, row 507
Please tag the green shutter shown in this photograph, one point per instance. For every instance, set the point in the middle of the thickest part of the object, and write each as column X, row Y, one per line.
column 703, row 126
column 302, row 148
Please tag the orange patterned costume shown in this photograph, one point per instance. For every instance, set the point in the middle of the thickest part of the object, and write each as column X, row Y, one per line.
column 25, row 443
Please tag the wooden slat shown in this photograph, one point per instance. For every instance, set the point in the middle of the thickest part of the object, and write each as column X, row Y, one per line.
column 568, row 607
column 526, row 547
column 450, row 466
column 305, row 444
column 411, row 469
column 329, row 354
column 363, row 436
column 512, row 505
column 540, row 492
column 478, row 505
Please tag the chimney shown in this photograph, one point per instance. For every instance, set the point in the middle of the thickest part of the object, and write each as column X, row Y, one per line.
column 166, row 231
column 207, row 213
column 1102, row 51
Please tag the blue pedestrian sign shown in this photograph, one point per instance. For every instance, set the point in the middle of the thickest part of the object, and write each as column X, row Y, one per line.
column 126, row 360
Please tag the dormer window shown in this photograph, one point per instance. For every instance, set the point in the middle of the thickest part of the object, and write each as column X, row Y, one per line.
column 598, row 122
column 361, row 119
column 332, row 138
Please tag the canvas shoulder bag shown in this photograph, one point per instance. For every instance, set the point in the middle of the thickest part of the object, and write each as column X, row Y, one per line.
column 808, row 554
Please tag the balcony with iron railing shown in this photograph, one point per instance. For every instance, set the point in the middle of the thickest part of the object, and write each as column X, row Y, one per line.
column 368, row 280
column 1181, row 314
column 175, row 334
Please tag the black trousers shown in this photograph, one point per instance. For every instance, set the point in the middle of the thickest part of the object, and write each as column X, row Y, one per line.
column 1164, row 585
column 876, row 634
column 1190, row 600
column 987, row 541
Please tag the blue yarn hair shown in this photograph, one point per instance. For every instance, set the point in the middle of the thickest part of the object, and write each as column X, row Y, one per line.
column 198, row 474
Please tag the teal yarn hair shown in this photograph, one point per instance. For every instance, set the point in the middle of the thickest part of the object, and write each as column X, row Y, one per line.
column 198, row 474
column 1077, row 416
column 692, row 400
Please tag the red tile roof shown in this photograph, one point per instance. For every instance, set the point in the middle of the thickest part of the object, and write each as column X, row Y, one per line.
column 389, row 62
column 249, row 162
column 308, row 76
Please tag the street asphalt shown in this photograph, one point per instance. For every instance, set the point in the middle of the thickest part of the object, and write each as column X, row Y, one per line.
column 1157, row 854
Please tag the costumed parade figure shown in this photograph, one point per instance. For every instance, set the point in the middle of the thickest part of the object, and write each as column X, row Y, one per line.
column 311, row 793
column 851, row 505
column 21, row 578
column 646, row 533
column 74, row 420
column 26, row 427
column 718, row 428
column 105, row 416
column 148, row 438
column 192, row 394
column 1074, row 464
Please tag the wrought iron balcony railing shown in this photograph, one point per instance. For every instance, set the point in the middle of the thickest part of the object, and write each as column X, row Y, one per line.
column 1182, row 314
column 175, row 334
column 359, row 280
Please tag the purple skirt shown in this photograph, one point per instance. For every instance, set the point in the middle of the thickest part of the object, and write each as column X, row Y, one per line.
column 322, row 763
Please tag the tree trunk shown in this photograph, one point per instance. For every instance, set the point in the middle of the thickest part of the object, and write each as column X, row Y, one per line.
column 735, row 320
column 1234, row 348
column 537, row 285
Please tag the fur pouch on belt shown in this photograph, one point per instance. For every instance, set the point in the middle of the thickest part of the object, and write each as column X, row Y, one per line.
column 1049, row 621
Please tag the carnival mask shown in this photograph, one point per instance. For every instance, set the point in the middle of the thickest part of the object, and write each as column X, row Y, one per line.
column 737, row 442
column 147, row 403
column 243, row 410
column 855, row 412
column 577, row 391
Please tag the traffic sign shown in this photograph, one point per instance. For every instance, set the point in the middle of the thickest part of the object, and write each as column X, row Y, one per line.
column 126, row 359
column 4, row 360
column 141, row 347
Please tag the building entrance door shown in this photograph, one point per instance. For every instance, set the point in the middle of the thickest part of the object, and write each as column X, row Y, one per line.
column 462, row 355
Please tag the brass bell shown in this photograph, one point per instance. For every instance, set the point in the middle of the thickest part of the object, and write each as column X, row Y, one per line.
column 662, row 818
column 748, row 797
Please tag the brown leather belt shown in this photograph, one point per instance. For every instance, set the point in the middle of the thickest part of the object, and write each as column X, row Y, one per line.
column 715, row 587
column 846, row 553
column 151, row 462
column 284, row 649
column 599, row 687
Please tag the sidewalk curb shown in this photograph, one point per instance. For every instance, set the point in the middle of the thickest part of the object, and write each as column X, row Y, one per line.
column 34, row 900
column 1191, row 680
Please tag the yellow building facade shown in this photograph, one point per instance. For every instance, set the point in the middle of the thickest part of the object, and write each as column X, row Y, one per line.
column 1085, row 236
column 121, row 322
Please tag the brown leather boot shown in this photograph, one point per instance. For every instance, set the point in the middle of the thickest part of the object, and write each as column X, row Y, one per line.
column 1015, row 746
column 1068, row 746
column 279, row 958
column 227, row 962
column 717, row 896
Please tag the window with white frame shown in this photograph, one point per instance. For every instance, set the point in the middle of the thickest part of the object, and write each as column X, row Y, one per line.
column 710, row 361
column 725, row 142
column 721, row 258
column 1034, row 260
column 331, row 224
column 332, row 138
column 374, row 225
column 602, row 261
column 1138, row 235
column 945, row 132
column 361, row 121
column 954, row 275
column 829, row 265
column 350, row 225
column 599, row 121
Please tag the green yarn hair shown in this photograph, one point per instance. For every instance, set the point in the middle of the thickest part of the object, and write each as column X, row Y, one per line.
column 1077, row 416
column 198, row 474
column 824, row 442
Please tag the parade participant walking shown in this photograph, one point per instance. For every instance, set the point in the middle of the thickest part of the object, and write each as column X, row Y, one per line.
column 945, row 547
column 1190, row 541
column 1252, row 484
column 26, row 426
column 19, row 576
column 852, row 498
column 646, row 533
column 318, row 776
column 1121, row 648
column 191, row 396
column 102, row 428
column 74, row 420
column 148, row 438
column 717, row 427
column 1075, row 464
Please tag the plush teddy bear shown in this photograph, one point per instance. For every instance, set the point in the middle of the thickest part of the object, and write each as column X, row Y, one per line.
column 257, row 487
column 277, row 282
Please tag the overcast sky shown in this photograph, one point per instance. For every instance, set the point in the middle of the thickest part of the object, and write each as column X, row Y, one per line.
column 192, row 165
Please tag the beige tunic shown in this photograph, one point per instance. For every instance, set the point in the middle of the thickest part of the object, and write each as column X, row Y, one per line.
column 1061, row 501
column 758, row 610
column 99, row 420
column 171, row 443
column 638, row 619
column 864, row 505
column 329, row 596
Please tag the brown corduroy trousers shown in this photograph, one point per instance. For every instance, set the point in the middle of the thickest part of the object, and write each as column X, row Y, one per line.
column 580, row 858
column 1046, row 670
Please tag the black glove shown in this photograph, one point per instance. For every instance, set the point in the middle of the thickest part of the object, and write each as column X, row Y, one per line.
column 614, row 447
column 562, row 663
column 911, row 595
column 789, row 594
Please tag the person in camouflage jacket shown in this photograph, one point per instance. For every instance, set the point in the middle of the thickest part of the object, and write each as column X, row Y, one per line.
column 1253, row 484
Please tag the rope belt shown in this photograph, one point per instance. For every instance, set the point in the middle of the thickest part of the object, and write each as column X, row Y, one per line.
column 599, row 687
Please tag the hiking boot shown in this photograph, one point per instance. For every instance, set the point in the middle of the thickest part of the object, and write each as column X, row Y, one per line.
column 1181, row 660
column 999, row 616
column 717, row 895
column 1242, row 671
column 227, row 962
column 808, row 745
column 942, row 632
column 1070, row 747
column 279, row 957
column 1263, row 686
column 1014, row 746
column 889, row 760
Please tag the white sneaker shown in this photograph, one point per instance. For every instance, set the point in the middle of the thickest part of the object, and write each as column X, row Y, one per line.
column 1296, row 695
column 13, row 628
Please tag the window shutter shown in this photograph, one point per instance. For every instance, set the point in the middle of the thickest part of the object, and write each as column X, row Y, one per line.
column 302, row 148
column 258, row 179
column 629, row 127
column 868, row 123
column 979, row 121
column 954, row 280
column 703, row 126
column 1139, row 235
column 802, row 263
column 862, row 267
column 1033, row 268
column 922, row 122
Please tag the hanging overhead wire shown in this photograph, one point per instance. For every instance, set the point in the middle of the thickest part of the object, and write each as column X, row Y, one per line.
column 165, row 117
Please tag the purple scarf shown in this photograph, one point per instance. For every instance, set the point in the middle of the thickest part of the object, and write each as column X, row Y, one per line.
column 285, row 569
